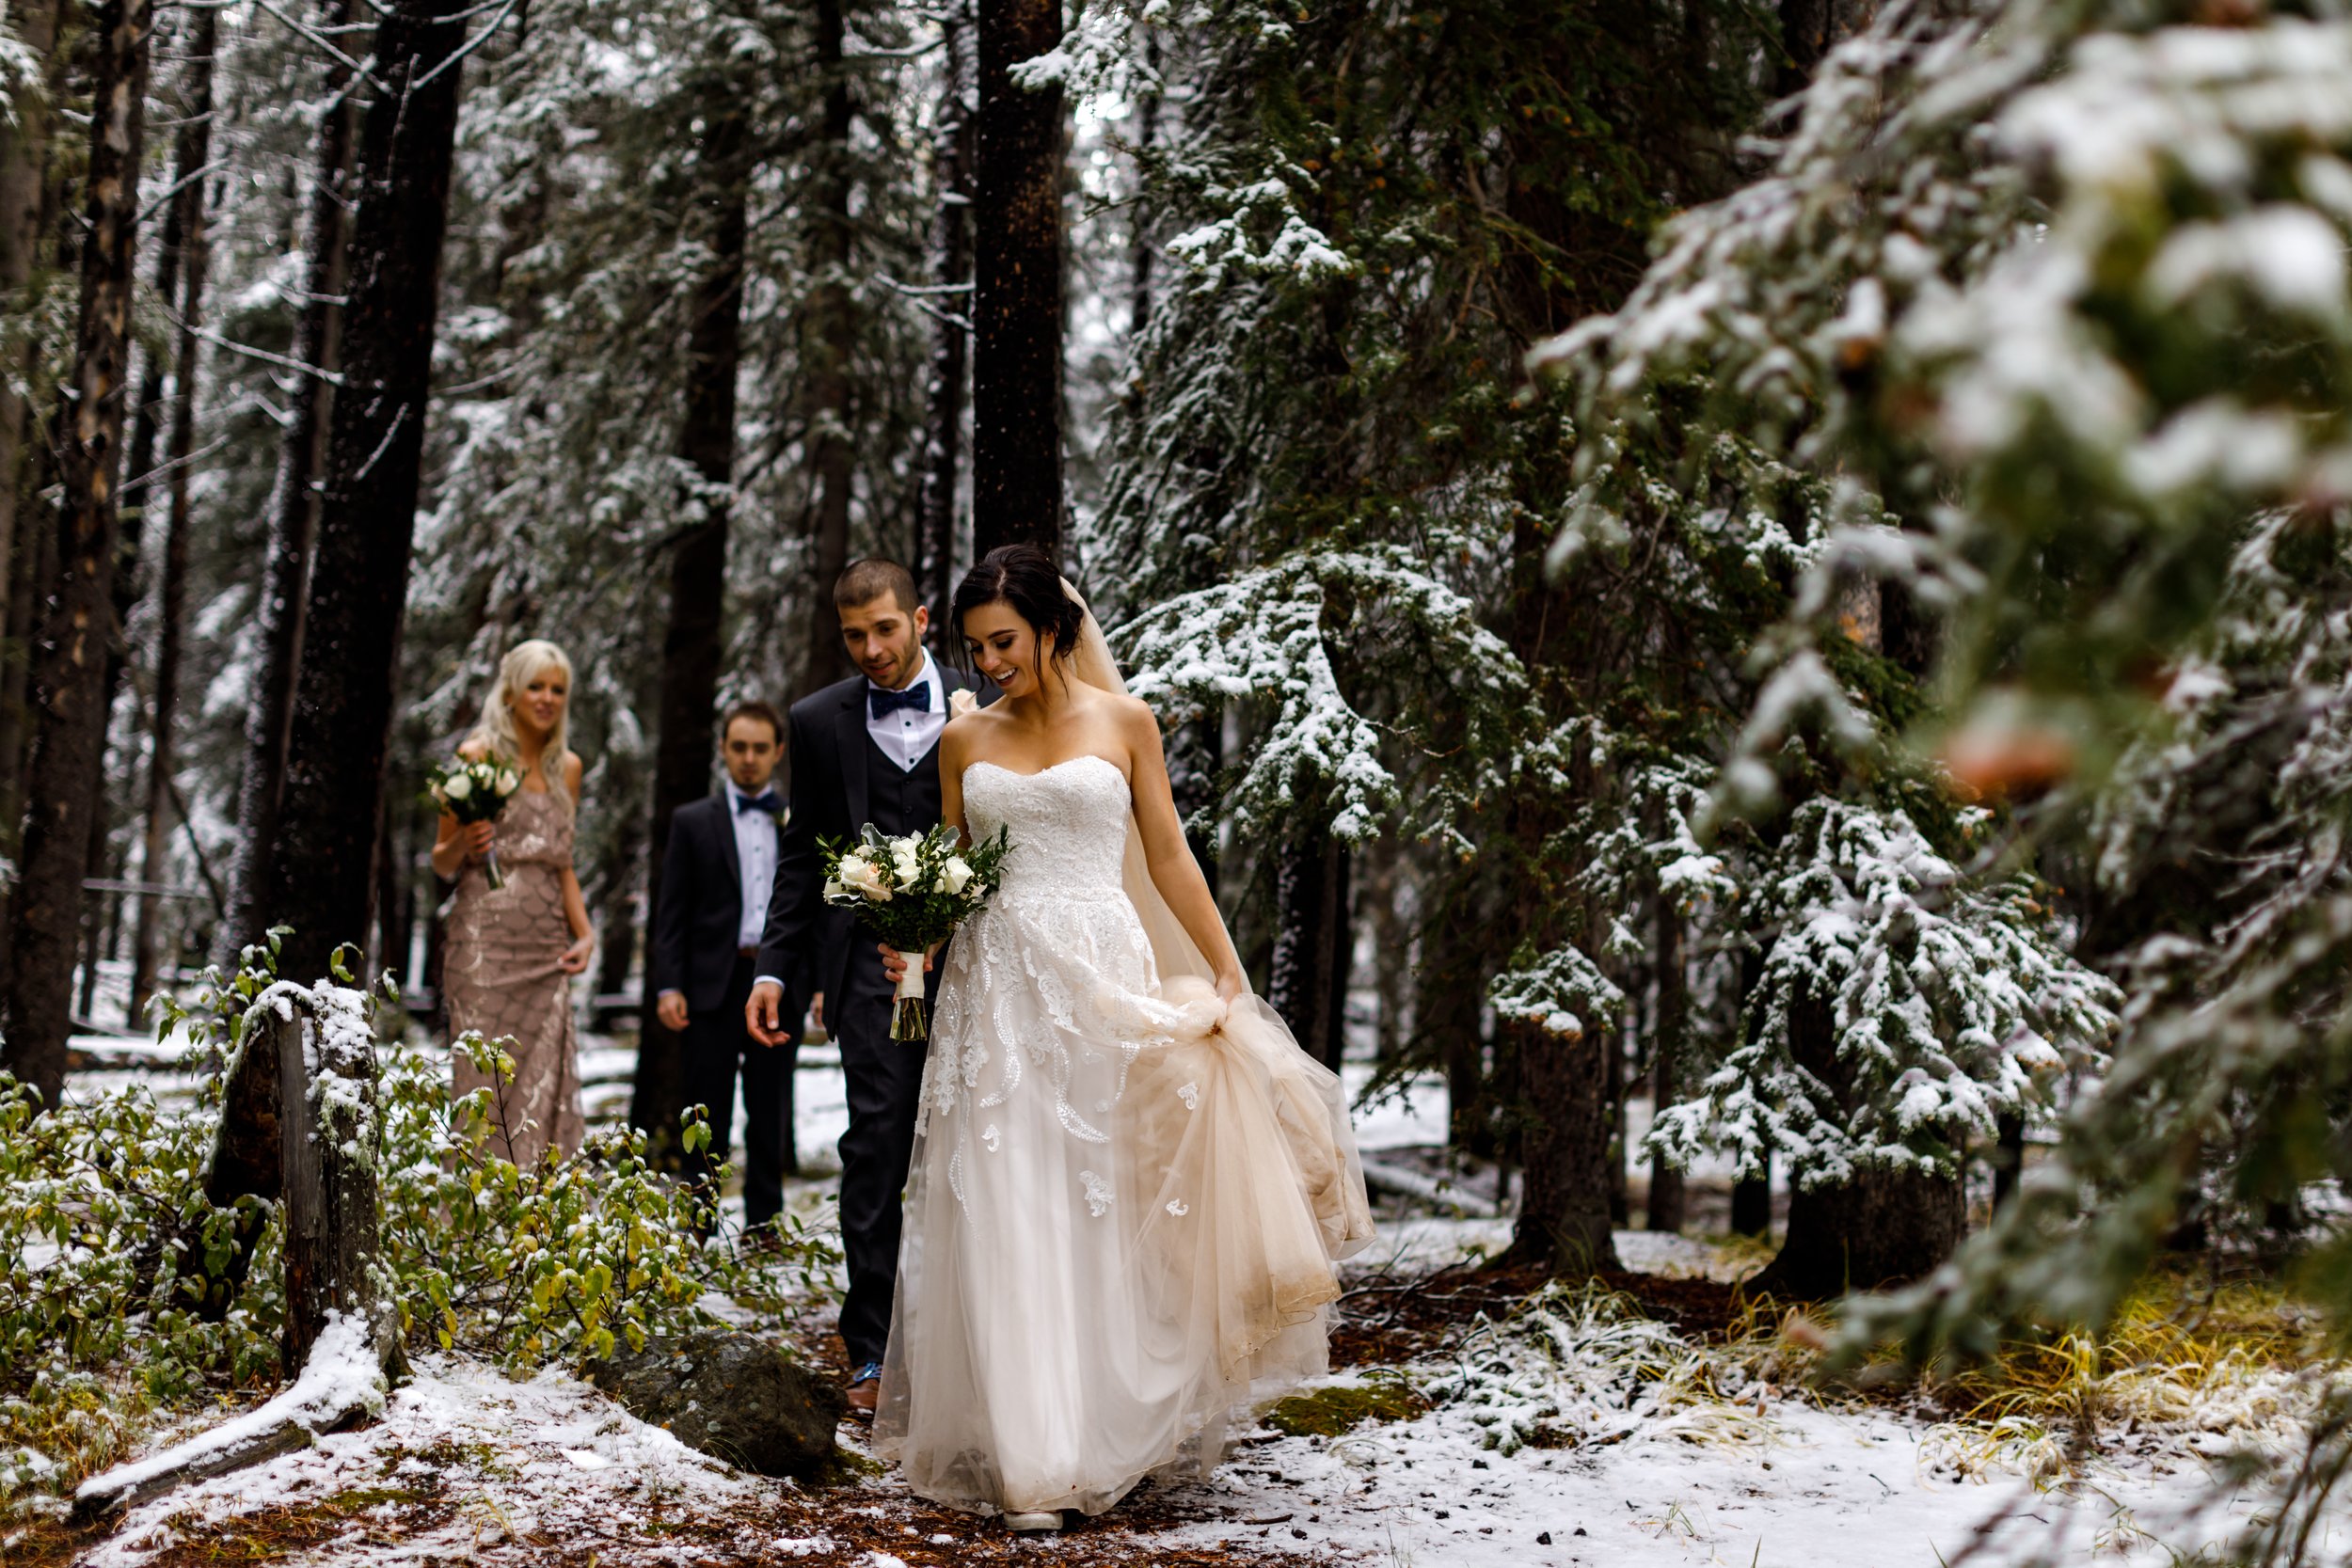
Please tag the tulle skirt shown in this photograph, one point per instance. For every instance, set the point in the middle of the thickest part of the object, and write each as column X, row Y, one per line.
column 1121, row 1223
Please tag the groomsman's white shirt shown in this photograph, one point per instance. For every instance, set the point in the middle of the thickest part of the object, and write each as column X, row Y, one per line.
column 756, row 852
column 907, row 735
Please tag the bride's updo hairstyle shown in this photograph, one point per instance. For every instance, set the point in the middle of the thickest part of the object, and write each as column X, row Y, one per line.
column 1026, row 578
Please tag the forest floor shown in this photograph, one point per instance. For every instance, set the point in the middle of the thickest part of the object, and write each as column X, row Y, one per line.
column 1475, row 1417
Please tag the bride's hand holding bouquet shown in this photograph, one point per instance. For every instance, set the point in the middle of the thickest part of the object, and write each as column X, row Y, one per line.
column 913, row 891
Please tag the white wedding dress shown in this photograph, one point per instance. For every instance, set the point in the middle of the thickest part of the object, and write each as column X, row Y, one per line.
column 1127, row 1199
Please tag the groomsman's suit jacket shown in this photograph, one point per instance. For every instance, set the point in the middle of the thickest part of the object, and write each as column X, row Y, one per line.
column 809, row 944
column 697, row 920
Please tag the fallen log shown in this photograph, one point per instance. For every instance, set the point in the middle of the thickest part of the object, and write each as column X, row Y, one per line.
column 341, row 1384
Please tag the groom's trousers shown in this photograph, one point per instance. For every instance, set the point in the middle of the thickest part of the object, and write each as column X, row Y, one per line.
column 885, row 1080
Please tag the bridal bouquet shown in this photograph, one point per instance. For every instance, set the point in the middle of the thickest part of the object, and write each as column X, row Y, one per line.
column 913, row 891
column 474, row 792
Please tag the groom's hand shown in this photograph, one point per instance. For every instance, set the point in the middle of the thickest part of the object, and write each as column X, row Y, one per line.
column 895, row 962
column 762, row 1014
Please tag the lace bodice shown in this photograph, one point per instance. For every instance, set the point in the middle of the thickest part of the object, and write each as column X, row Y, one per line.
column 1069, row 825
column 535, row 829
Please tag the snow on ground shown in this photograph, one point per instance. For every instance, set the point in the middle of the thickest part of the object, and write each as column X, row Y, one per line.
column 505, row 1461
column 1805, row 1488
column 468, row 1465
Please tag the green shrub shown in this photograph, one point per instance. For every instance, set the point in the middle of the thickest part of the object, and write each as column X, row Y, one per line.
column 553, row 1263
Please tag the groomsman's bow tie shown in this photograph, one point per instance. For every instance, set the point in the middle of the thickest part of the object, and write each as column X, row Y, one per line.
column 766, row 801
column 881, row 701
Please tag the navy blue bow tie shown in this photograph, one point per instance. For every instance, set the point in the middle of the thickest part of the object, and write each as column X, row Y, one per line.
column 766, row 801
column 881, row 701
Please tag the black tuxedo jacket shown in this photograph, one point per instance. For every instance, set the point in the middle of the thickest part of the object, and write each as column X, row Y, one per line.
column 808, row 943
column 698, row 919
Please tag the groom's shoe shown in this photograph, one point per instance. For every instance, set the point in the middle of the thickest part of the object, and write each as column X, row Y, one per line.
column 866, row 1390
column 1032, row 1521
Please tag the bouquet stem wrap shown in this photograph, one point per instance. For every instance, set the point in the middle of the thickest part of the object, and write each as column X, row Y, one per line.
column 910, row 1014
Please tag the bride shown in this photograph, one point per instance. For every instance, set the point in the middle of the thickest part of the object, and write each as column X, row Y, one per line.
column 1130, row 1185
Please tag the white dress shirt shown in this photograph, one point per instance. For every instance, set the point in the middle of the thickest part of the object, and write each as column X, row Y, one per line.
column 755, row 854
column 907, row 735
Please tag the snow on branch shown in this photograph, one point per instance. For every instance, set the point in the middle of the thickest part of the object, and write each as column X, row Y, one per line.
column 1263, row 635
column 1558, row 993
column 1903, row 1007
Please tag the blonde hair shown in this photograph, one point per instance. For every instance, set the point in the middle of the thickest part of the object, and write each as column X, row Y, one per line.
column 495, row 730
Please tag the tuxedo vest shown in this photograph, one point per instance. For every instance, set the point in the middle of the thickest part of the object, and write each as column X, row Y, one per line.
column 896, row 801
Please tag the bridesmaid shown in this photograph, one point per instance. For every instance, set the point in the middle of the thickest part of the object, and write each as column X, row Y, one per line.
column 511, row 952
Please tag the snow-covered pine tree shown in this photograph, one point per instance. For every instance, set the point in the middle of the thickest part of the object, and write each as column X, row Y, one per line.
column 2065, row 285
column 1322, row 407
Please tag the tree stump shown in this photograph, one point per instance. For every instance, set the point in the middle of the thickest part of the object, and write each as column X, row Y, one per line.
column 342, row 1345
column 327, row 1137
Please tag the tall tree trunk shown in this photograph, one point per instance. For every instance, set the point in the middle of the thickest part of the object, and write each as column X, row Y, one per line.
column 953, row 152
column 1017, row 293
column 318, row 879
column 1312, row 943
column 693, row 646
column 292, row 508
column 69, row 663
column 829, row 341
column 1563, row 1207
column 23, row 158
column 1667, row 1208
column 189, row 156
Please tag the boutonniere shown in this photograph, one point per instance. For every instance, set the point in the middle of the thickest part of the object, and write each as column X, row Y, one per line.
column 961, row 701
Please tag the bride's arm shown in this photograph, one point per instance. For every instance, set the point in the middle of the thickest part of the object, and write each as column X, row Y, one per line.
column 1174, row 872
column 951, row 758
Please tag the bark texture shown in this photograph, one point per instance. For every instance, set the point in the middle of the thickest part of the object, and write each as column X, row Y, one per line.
column 692, row 644
column 319, row 881
column 954, row 149
column 829, row 344
column 68, row 670
column 293, row 511
column 192, row 151
column 1017, row 292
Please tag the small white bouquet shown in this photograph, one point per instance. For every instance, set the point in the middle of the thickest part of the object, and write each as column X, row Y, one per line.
column 475, row 792
column 913, row 891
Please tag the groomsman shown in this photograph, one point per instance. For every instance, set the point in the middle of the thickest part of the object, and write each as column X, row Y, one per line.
column 865, row 750
column 717, row 879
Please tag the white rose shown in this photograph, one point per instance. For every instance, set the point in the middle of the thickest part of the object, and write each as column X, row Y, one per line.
column 953, row 876
column 864, row 879
column 910, row 870
column 509, row 780
column 960, row 702
column 457, row 786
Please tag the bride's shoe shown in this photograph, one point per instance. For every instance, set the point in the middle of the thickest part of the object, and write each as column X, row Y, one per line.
column 1032, row 1521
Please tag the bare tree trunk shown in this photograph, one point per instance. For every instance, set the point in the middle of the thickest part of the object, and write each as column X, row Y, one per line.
column 24, row 157
column 1667, row 1208
column 318, row 879
column 193, row 152
column 69, row 665
column 1017, row 279
column 829, row 341
column 1564, row 1209
column 292, row 509
column 1313, row 943
column 953, row 153
column 692, row 646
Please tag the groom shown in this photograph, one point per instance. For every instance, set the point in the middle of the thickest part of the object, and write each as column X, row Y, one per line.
column 865, row 750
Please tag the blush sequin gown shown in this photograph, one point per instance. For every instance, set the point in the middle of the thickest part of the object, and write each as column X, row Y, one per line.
column 500, row 977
